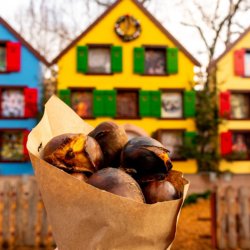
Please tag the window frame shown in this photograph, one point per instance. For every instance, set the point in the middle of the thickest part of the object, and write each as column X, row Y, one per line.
column 138, row 117
column 4, row 87
column 239, row 92
column 21, row 130
column 100, row 45
column 158, row 134
column 151, row 46
column 87, row 89
column 170, row 90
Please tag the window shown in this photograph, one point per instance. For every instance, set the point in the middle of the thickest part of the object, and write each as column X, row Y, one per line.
column 12, row 145
column 99, row 59
column 172, row 105
column 3, row 62
column 82, row 102
column 173, row 140
column 240, row 106
column 155, row 61
column 127, row 104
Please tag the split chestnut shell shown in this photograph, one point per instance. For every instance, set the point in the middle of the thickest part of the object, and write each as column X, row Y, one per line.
column 144, row 158
column 74, row 153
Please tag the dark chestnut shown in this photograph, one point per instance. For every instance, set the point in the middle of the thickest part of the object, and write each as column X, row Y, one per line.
column 111, row 139
column 117, row 182
column 74, row 153
column 157, row 191
column 144, row 157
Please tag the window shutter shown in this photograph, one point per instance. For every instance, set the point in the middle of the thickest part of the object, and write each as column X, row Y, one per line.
column 172, row 60
column 239, row 62
column 82, row 59
column 225, row 105
column 110, row 102
column 31, row 105
column 190, row 139
column 155, row 103
column 99, row 102
column 226, row 143
column 144, row 103
column 189, row 103
column 25, row 139
column 139, row 60
column 116, row 59
column 65, row 96
column 13, row 56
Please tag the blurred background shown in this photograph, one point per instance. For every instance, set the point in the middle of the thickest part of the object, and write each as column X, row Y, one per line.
column 177, row 71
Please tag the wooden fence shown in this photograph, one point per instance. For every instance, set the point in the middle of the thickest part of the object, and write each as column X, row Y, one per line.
column 231, row 218
column 22, row 215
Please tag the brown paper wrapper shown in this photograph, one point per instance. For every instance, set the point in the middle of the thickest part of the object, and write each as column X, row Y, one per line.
column 84, row 217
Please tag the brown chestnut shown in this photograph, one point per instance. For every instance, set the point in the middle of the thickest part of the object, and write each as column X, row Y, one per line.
column 111, row 139
column 161, row 190
column 145, row 157
column 117, row 182
column 74, row 153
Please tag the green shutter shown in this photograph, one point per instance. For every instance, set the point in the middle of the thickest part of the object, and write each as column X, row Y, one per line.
column 99, row 109
column 144, row 103
column 189, row 104
column 116, row 59
column 155, row 103
column 110, row 102
column 190, row 139
column 64, row 95
column 82, row 59
column 172, row 60
column 139, row 60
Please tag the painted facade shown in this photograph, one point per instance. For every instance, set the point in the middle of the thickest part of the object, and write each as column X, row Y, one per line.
column 144, row 84
column 234, row 99
column 20, row 93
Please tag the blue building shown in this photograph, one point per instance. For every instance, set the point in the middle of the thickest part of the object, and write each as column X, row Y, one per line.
column 20, row 95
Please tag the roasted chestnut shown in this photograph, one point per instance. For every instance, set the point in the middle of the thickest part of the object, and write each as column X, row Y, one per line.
column 117, row 182
column 74, row 153
column 160, row 190
column 111, row 139
column 145, row 158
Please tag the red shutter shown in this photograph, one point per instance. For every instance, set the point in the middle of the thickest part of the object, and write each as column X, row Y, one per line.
column 226, row 143
column 225, row 105
column 30, row 97
column 25, row 139
column 239, row 67
column 13, row 56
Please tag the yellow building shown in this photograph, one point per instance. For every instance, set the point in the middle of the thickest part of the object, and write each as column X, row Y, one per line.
column 233, row 72
column 126, row 66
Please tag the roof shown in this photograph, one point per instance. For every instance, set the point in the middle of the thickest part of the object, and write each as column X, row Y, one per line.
column 147, row 13
column 23, row 41
column 228, row 48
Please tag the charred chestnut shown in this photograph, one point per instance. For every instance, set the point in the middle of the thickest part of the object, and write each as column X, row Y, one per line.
column 74, row 153
column 145, row 158
column 157, row 191
column 111, row 139
column 117, row 182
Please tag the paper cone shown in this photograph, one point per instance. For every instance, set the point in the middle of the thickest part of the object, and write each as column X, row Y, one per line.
column 86, row 218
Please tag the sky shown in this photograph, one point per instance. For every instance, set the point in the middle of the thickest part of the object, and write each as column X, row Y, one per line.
column 166, row 11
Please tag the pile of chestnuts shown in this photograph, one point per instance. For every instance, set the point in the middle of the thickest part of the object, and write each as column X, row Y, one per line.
column 138, row 169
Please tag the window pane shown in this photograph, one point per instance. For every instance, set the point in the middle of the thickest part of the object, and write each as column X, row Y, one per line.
column 171, row 105
column 2, row 58
column 240, row 106
column 172, row 140
column 127, row 104
column 12, row 103
column 247, row 64
column 155, row 61
column 82, row 103
column 11, row 146
column 99, row 60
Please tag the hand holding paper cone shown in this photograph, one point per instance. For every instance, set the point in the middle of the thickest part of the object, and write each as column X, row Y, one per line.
column 84, row 217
